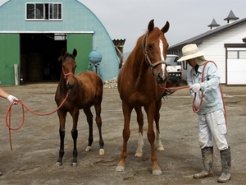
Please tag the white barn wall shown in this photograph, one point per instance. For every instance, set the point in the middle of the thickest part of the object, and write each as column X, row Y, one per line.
column 214, row 49
column 236, row 71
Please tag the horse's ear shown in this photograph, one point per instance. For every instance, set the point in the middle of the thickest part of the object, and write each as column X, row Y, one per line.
column 165, row 28
column 151, row 25
column 74, row 52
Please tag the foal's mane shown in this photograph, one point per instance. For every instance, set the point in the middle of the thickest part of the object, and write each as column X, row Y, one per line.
column 68, row 55
column 65, row 54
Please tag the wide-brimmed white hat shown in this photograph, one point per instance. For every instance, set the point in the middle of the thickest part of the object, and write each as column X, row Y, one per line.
column 190, row 51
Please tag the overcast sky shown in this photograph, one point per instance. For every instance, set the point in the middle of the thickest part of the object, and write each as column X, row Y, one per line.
column 128, row 19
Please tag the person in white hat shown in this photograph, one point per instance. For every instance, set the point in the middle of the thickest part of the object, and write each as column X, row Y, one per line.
column 203, row 80
column 11, row 98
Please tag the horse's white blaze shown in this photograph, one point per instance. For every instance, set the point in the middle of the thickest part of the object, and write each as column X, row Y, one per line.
column 163, row 66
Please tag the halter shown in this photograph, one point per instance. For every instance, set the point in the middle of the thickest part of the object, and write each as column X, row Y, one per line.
column 69, row 73
column 152, row 65
column 66, row 74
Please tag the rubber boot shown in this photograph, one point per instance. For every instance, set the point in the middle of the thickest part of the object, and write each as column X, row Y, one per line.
column 226, row 165
column 207, row 159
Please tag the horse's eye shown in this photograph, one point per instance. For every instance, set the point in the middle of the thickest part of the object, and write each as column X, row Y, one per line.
column 150, row 47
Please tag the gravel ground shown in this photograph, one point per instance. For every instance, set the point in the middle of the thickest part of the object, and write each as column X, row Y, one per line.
column 35, row 145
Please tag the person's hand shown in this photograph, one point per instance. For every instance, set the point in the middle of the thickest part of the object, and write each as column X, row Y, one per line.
column 12, row 99
column 195, row 87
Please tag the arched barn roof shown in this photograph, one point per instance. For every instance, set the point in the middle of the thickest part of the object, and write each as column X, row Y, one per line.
column 76, row 19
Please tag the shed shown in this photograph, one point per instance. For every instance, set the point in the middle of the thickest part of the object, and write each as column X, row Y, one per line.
column 226, row 46
column 33, row 33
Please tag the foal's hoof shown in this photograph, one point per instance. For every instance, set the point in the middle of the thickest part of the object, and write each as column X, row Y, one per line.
column 120, row 168
column 88, row 148
column 156, row 172
column 74, row 164
column 58, row 163
column 101, row 151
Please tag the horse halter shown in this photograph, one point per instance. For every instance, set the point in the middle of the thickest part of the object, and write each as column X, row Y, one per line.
column 152, row 65
column 66, row 74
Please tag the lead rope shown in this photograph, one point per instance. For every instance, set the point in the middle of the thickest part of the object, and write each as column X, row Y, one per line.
column 22, row 120
column 194, row 108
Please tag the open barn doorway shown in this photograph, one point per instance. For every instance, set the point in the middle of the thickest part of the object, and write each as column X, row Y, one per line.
column 40, row 57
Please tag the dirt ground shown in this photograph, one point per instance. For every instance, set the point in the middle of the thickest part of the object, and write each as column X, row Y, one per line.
column 35, row 146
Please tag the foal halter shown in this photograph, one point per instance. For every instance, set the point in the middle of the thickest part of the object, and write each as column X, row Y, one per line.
column 66, row 74
column 152, row 65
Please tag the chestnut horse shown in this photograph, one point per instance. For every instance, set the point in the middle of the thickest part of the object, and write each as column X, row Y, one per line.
column 139, row 84
column 83, row 91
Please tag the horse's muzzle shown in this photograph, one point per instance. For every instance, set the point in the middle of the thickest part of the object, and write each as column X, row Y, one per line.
column 69, row 86
column 159, row 78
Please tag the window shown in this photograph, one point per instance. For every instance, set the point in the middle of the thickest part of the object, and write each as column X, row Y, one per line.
column 43, row 11
column 236, row 54
column 232, row 54
column 55, row 11
column 242, row 54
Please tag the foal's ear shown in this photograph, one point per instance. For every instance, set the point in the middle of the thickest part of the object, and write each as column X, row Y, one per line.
column 165, row 28
column 151, row 25
column 74, row 52
column 63, row 52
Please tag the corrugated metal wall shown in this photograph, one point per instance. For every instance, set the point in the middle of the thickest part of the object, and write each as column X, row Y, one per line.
column 83, row 44
column 9, row 55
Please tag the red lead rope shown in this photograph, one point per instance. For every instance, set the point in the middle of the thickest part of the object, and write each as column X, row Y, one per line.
column 194, row 108
column 21, row 122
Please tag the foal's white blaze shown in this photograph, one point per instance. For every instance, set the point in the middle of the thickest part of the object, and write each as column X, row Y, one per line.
column 163, row 66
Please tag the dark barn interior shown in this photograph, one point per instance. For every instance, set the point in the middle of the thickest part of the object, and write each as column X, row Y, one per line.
column 40, row 57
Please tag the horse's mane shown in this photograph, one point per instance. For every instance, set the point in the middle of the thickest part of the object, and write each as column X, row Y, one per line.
column 141, row 40
column 136, row 59
column 138, row 46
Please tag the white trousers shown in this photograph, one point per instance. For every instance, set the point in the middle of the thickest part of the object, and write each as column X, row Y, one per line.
column 212, row 127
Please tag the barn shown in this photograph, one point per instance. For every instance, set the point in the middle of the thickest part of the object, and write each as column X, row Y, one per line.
column 33, row 34
column 225, row 45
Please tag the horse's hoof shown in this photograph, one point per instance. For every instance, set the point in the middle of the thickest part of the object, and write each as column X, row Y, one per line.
column 160, row 148
column 156, row 172
column 101, row 151
column 139, row 154
column 120, row 168
column 58, row 163
column 88, row 148
column 74, row 164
